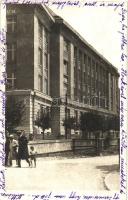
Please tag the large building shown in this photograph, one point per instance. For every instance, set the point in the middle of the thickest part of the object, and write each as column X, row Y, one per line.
column 50, row 66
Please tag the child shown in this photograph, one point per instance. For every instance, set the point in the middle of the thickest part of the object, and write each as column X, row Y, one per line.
column 32, row 156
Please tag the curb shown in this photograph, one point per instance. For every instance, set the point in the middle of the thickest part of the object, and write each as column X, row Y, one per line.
column 112, row 181
column 106, row 182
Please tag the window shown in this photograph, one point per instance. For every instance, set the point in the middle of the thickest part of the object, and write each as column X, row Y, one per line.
column 65, row 67
column 11, row 52
column 76, row 115
column 40, row 56
column 75, row 52
column 93, row 68
column 84, row 78
column 40, row 83
column 45, row 86
column 65, row 89
column 66, row 46
column 85, row 59
column 89, row 65
column 79, row 75
column 11, row 81
column 45, row 60
column 11, row 24
column 40, row 29
column 80, row 57
column 85, row 63
column 45, row 40
column 75, row 56
column 96, row 71
column 65, row 80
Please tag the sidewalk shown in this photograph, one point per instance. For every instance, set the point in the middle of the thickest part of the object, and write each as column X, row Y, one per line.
column 112, row 181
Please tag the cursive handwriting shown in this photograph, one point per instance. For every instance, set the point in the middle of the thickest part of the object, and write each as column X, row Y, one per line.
column 52, row 196
column 123, row 100
column 12, row 196
column 123, row 141
column 61, row 4
column 3, row 36
column 2, row 180
column 2, row 103
column 123, row 83
column 123, row 176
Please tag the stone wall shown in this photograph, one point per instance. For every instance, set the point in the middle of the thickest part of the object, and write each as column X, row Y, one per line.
column 86, row 147
column 53, row 146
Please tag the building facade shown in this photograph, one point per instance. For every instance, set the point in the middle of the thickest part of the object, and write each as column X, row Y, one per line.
column 50, row 66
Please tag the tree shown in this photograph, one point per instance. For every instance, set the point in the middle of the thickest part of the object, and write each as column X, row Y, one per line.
column 43, row 121
column 69, row 123
column 114, row 123
column 14, row 112
column 90, row 121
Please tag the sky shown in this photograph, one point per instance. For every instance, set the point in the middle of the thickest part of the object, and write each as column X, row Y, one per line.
column 99, row 26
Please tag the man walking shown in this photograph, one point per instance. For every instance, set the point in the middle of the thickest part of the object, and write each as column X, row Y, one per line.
column 23, row 149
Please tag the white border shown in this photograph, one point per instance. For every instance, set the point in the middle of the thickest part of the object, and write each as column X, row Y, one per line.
column 124, row 114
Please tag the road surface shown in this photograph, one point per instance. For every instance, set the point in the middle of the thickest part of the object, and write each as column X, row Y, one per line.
column 61, row 174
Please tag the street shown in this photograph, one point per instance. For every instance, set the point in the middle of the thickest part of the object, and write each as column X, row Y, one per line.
column 63, row 174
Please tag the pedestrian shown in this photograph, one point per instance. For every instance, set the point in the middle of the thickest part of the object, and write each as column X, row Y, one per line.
column 32, row 156
column 23, row 149
column 14, row 148
column 10, row 156
column 7, row 148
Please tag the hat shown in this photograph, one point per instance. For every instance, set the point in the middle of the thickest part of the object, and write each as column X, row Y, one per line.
column 11, row 136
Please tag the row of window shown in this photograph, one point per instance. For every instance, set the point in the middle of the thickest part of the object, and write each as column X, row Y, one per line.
column 88, row 77
column 42, row 58
column 42, row 84
column 11, row 53
column 43, row 48
column 11, row 24
column 66, row 66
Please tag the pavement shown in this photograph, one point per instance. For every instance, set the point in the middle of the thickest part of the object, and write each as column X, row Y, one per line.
column 65, row 173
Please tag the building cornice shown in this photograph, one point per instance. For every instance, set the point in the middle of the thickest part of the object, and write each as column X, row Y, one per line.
column 47, row 11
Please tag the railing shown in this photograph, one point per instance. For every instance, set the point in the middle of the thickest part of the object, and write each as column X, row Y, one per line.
column 96, row 146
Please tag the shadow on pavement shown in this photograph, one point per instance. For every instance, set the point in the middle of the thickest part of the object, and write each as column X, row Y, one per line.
column 109, row 168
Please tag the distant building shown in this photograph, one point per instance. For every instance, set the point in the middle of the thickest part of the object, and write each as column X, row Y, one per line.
column 50, row 66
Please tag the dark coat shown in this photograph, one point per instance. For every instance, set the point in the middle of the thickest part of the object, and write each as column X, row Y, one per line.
column 7, row 150
column 7, row 145
column 23, row 148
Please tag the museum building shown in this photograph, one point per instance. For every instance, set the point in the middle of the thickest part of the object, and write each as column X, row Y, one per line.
column 51, row 67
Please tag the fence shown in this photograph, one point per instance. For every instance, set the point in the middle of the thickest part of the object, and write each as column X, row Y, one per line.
column 96, row 146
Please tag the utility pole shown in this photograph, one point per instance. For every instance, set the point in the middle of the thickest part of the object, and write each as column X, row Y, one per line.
column 66, row 102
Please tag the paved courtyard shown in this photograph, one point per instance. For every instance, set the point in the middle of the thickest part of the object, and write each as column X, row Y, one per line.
column 62, row 174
